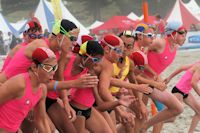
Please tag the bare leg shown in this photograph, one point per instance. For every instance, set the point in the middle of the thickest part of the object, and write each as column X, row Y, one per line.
column 59, row 118
column 158, row 127
column 172, row 109
column 28, row 125
column 195, row 105
column 180, row 98
column 96, row 123
column 107, row 117
column 79, row 124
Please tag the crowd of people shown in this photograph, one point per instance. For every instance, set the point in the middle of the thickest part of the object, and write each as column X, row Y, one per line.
column 76, row 84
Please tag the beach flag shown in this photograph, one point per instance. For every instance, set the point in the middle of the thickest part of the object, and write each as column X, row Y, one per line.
column 56, row 9
column 145, row 10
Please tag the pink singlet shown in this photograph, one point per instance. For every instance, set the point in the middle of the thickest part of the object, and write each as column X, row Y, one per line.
column 19, row 64
column 184, row 84
column 13, row 112
column 159, row 61
column 8, row 59
column 83, row 96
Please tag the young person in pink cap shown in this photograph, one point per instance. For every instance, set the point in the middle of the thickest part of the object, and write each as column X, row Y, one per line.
column 25, row 91
column 32, row 31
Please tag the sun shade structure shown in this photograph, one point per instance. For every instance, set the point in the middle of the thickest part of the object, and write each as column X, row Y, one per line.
column 119, row 23
column 180, row 13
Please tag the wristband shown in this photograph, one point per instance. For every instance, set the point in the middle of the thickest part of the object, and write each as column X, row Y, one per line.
column 55, row 85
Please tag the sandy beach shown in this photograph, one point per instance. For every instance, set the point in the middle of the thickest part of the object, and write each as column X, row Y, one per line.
column 182, row 123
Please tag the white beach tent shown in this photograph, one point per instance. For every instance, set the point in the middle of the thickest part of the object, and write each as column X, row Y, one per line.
column 5, row 26
column 18, row 24
column 193, row 6
column 133, row 16
column 44, row 12
column 180, row 13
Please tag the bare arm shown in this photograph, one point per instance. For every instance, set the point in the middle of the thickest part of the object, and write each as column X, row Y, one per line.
column 131, row 86
column 195, row 80
column 104, row 83
column 158, row 85
column 142, row 107
column 84, row 81
column 104, row 106
column 150, row 70
column 177, row 71
column 157, row 44
column 60, row 76
column 120, row 83
column 40, row 114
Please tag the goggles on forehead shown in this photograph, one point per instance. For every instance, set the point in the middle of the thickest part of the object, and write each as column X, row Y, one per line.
column 48, row 68
column 117, row 50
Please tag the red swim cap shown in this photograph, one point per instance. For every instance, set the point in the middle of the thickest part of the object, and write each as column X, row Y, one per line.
column 112, row 40
column 139, row 58
column 42, row 53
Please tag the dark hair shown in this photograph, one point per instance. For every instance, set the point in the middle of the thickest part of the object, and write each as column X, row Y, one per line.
column 136, row 37
column 35, row 27
column 120, row 34
column 36, row 62
column 94, row 48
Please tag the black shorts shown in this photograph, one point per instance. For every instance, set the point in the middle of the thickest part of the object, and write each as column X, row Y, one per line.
column 95, row 104
column 49, row 102
column 176, row 90
column 79, row 112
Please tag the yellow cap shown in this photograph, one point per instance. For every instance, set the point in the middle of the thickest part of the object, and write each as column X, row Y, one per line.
column 83, row 48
